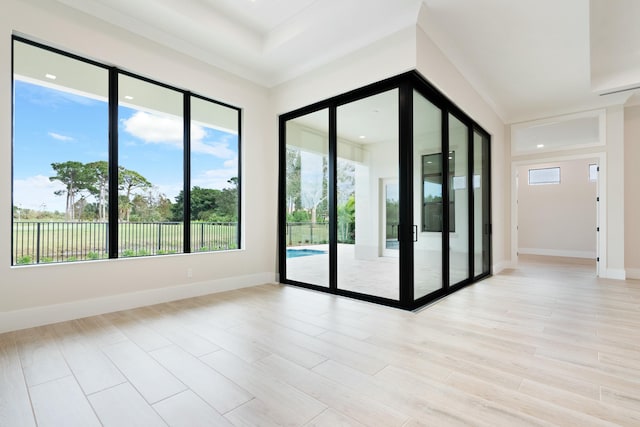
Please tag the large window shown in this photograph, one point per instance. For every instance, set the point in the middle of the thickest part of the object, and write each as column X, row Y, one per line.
column 107, row 164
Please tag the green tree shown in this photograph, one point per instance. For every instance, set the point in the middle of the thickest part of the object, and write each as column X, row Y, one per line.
column 76, row 178
column 203, row 203
column 89, row 212
column 227, row 202
column 293, row 179
column 178, row 206
column 313, row 185
column 347, row 221
column 99, row 173
column 209, row 204
column 152, row 206
column 129, row 181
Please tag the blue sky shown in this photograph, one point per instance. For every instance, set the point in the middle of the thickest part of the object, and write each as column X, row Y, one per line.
column 56, row 126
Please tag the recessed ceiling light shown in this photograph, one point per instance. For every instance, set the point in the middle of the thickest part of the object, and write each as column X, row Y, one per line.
column 540, row 145
column 450, row 158
column 50, row 76
column 129, row 97
column 362, row 137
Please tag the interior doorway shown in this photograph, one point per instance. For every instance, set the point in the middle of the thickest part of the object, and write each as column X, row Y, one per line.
column 557, row 211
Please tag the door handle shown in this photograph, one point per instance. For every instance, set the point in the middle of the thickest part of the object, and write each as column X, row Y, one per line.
column 415, row 233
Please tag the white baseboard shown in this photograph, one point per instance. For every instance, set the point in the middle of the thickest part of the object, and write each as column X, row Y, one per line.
column 633, row 273
column 613, row 273
column 557, row 252
column 37, row 316
column 501, row 266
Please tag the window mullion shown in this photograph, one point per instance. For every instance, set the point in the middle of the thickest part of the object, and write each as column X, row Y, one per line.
column 186, row 217
column 112, row 225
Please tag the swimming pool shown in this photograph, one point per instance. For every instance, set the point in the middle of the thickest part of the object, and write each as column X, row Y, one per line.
column 296, row 253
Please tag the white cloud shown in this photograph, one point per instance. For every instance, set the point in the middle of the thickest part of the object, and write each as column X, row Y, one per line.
column 156, row 129
column 215, row 178
column 216, row 149
column 231, row 164
column 60, row 137
column 36, row 192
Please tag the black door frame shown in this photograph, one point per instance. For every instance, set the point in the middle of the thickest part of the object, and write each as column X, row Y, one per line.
column 406, row 83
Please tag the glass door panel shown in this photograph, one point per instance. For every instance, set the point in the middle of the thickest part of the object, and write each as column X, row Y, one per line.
column 481, row 227
column 458, row 200
column 306, row 198
column 427, row 196
column 391, row 218
column 367, row 137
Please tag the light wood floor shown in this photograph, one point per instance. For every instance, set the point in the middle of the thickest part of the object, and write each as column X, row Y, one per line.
column 540, row 345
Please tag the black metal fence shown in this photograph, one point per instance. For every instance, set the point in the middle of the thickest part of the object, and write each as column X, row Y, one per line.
column 308, row 233
column 47, row 242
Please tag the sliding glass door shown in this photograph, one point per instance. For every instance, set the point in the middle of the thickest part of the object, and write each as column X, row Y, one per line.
column 384, row 195
column 481, row 205
column 428, row 207
column 367, row 175
column 458, row 155
column 306, row 173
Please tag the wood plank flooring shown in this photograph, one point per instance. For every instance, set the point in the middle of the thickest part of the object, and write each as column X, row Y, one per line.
column 543, row 344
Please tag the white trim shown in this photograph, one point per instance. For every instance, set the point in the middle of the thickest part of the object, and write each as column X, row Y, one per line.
column 633, row 273
column 558, row 252
column 613, row 273
column 499, row 267
column 37, row 316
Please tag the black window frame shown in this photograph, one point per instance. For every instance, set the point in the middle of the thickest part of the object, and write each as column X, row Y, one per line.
column 113, row 140
column 427, row 226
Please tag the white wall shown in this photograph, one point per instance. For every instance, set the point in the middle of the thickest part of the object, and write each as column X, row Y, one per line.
column 558, row 219
column 40, row 294
column 385, row 58
column 614, row 174
column 632, row 198
column 382, row 166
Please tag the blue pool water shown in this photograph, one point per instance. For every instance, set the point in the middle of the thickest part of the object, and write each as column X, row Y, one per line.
column 295, row 253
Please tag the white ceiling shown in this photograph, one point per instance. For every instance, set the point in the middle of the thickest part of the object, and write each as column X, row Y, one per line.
column 528, row 58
